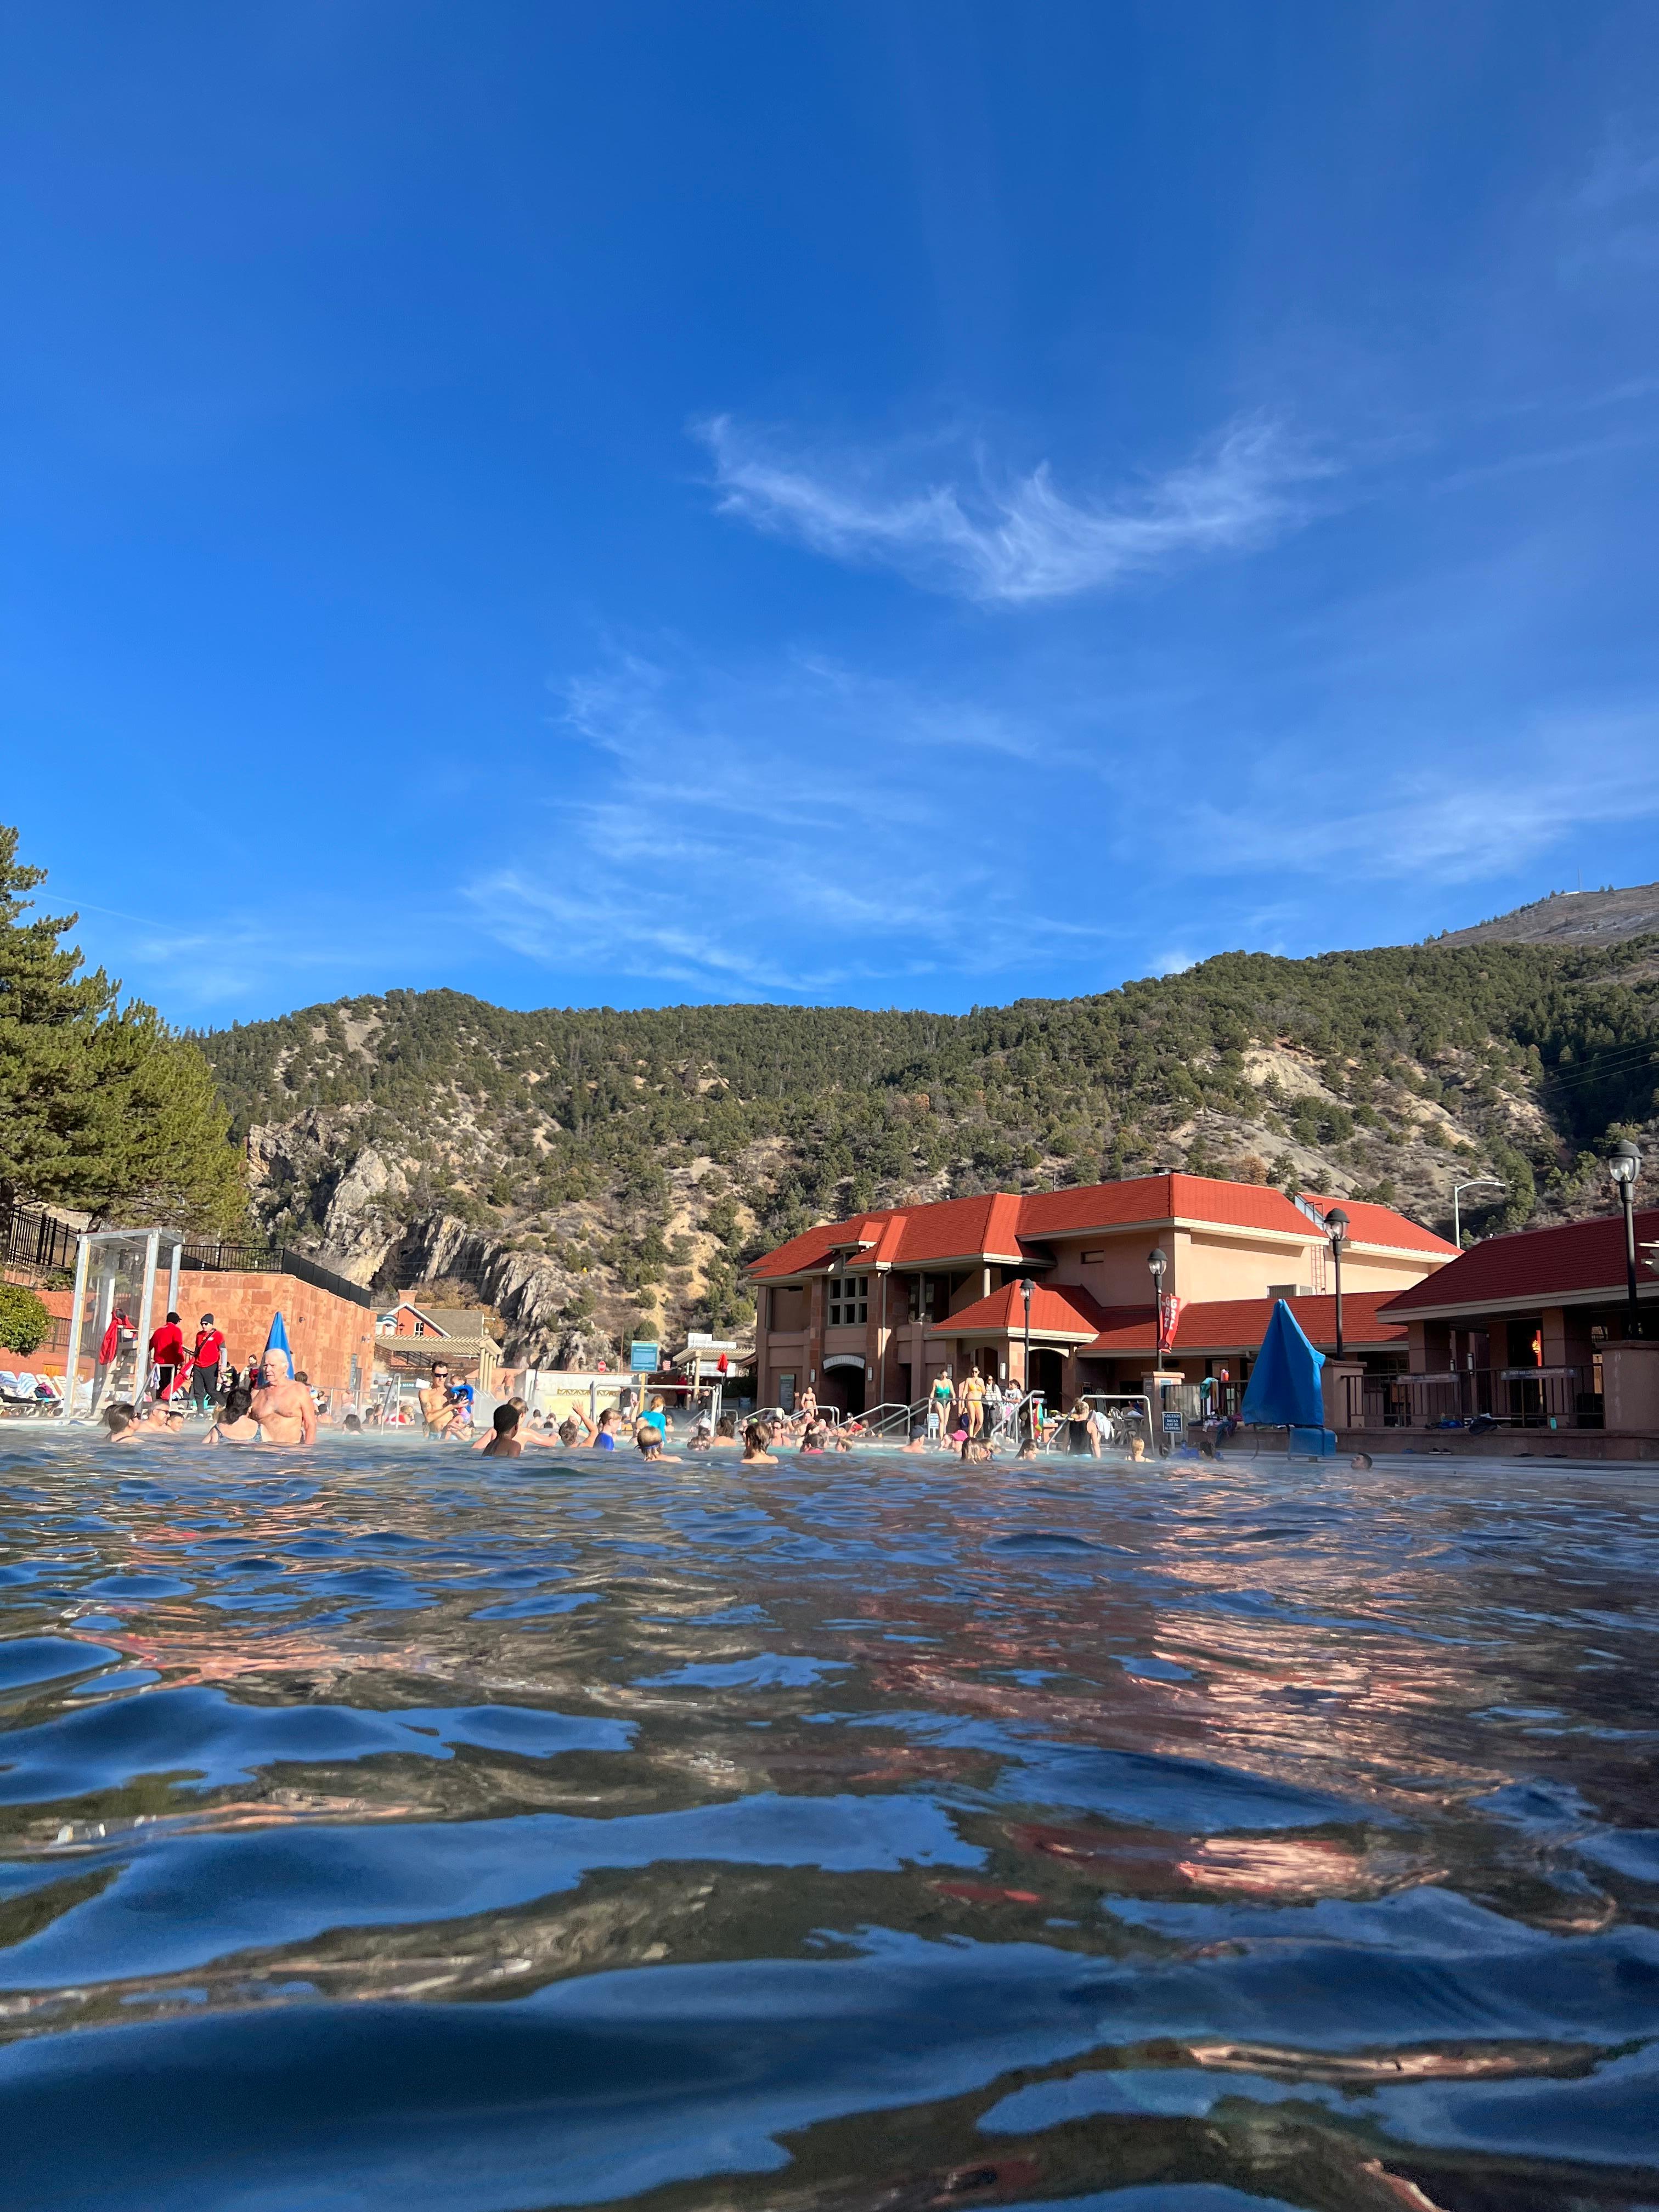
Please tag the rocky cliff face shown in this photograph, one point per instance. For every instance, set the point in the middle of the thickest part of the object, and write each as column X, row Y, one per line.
column 535, row 1298
column 370, row 1233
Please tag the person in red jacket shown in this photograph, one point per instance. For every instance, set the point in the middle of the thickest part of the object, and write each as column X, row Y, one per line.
column 204, row 1365
column 167, row 1357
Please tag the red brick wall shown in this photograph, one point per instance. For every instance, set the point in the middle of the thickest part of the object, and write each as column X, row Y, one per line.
column 324, row 1330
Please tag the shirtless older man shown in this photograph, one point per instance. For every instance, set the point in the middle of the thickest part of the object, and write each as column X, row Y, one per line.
column 281, row 1406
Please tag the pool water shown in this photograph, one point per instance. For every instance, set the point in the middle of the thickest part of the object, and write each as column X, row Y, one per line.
column 389, row 1827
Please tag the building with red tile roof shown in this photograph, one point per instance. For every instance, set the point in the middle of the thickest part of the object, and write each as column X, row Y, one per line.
column 869, row 1310
column 1524, row 1327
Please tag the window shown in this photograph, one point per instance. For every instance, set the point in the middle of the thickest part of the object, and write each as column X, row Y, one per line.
column 849, row 1300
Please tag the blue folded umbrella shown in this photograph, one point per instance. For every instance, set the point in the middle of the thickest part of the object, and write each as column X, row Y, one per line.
column 277, row 1341
column 1284, row 1391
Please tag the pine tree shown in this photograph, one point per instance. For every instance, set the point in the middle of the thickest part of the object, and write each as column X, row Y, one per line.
column 102, row 1107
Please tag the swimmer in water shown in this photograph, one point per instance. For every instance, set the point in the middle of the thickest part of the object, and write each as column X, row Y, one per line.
column 755, row 1441
column 235, row 1423
column 548, row 1439
column 503, row 1440
column 127, row 1427
column 282, row 1408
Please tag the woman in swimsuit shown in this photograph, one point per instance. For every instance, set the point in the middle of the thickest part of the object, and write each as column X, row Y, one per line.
column 1082, row 1431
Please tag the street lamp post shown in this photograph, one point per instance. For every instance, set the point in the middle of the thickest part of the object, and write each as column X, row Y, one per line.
column 1156, row 1263
column 1336, row 1228
column 1624, row 1167
column 1026, row 1295
column 1474, row 1182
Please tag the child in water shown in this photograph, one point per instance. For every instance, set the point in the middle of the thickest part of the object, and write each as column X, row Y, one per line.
column 504, row 1444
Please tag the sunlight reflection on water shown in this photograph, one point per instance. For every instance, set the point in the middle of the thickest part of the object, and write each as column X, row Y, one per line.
column 390, row 1828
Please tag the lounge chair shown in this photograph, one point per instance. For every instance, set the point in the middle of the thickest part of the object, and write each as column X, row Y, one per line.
column 17, row 1391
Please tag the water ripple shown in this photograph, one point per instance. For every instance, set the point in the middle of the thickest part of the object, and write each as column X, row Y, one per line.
column 396, row 1829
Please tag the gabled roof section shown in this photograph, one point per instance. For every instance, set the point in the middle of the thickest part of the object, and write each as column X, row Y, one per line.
column 1575, row 1258
column 966, row 1229
column 999, row 1225
column 1068, row 1311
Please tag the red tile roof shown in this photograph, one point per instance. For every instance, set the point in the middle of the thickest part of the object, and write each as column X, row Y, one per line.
column 997, row 1225
column 1203, row 1325
column 1060, row 1310
column 1538, row 1264
column 1381, row 1224
column 908, row 1235
column 1240, row 1324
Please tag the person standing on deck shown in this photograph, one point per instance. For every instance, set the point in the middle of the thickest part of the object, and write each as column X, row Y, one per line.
column 166, row 1356
column 944, row 1398
column 973, row 1401
column 205, row 1362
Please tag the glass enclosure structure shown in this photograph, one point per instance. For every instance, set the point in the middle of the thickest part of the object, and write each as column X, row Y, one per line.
column 126, row 1281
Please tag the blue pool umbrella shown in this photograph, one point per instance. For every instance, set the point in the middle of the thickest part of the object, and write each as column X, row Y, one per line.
column 1284, row 1390
column 277, row 1341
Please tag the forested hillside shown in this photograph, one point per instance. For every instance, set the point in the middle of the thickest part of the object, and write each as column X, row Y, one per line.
column 640, row 1155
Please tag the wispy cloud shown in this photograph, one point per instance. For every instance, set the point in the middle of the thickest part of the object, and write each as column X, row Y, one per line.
column 796, row 830
column 1488, row 811
column 1614, row 214
column 1018, row 539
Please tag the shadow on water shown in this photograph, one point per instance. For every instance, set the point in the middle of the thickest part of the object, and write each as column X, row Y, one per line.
column 393, row 1828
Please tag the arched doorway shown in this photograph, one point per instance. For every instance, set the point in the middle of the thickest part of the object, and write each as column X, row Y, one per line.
column 1047, row 1374
column 842, row 1386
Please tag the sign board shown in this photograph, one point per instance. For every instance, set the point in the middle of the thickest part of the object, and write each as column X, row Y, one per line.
column 1174, row 1424
column 698, row 1340
column 642, row 1358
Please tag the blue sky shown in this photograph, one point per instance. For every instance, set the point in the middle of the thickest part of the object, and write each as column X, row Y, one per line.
column 891, row 503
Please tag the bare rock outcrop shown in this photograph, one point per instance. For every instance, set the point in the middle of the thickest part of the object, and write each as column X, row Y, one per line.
column 536, row 1297
column 364, row 1223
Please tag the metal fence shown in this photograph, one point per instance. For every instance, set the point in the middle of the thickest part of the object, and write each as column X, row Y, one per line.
column 262, row 1260
column 1508, row 1397
column 30, row 1237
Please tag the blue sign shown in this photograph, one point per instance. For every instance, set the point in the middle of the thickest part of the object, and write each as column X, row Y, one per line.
column 642, row 1358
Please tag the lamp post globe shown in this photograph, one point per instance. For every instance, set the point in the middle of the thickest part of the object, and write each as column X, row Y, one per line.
column 1623, row 1165
column 1336, row 1228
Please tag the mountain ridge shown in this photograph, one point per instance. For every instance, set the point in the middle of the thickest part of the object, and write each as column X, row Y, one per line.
column 596, row 1173
column 1612, row 915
